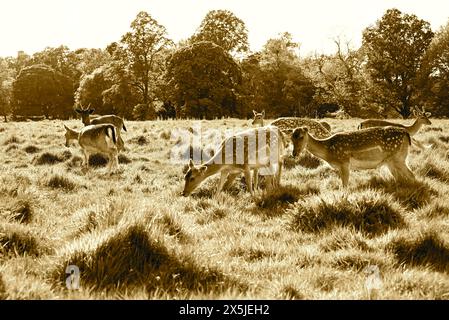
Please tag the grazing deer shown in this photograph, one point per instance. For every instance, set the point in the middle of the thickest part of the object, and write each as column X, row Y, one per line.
column 422, row 118
column 111, row 119
column 288, row 124
column 250, row 149
column 362, row 149
column 99, row 138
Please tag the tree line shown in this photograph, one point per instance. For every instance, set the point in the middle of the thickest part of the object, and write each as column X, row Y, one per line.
column 400, row 65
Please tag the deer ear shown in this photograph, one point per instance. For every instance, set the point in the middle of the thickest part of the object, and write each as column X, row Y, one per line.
column 91, row 111
column 428, row 114
column 203, row 169
column 415, row 112
column 78, row 110
column 65, row 127
column 191, row 164
column 254, row 112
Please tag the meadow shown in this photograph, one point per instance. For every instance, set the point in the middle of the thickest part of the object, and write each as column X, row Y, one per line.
column 134, row 237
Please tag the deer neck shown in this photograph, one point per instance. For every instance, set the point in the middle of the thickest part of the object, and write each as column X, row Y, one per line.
column 414, row 128
column 317, row 147
column 73, row 134
column 212, row 168
column 86, row 120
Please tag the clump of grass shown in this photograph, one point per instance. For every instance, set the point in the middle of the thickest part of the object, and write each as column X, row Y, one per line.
column 309, row 161
column 435, row 171
column 173, row 227
column 47, row 158
column 425, row 249
column 434, row 210
column 98, row 160
column 251, row 254
column 414, row 194
column 31, row 149
column 123, row 159
column 57, row 181
column 165, row 134
column 22, row 210
column 12, row 147
column 284, row 195
column 141, row 140
column 16, row 239
column 343, row 238
column 356, row 260
column 12, row 140
column 370, row 213
column 289, row 292
column 130, row 257
column 444, row 139
column 66, row 155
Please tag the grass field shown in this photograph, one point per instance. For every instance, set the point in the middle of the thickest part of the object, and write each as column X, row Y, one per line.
column 134, row 237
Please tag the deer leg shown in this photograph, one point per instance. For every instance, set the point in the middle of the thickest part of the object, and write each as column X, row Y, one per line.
column 256, row 178
column 344, row 174
column 249, row 184
column 223, row 176
column 86, row 158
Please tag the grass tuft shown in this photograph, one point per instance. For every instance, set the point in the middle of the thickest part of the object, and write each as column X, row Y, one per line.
column 130, row 257
column 370, row 213
column 31, row 149
column 11, row 140
column 22, row 210
column 425, row 249
column 16, row 239
column 122, row 159
column 57, row 181
column 47, row 158
column 98, row 160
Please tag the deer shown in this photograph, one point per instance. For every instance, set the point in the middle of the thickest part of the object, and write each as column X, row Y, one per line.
column 422, row 118
column 241, row 152
column 363, row 149
column 290, row 123
column 111, row 119
column 99, row 138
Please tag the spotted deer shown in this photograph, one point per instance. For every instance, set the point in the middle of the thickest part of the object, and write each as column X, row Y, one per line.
column 422, row 118
column 100, row 138
column 111, row 119
column 362, row 149
column 320, row 129
column 242, row 152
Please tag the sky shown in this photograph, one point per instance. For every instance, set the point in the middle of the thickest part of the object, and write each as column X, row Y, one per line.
column 32, row 25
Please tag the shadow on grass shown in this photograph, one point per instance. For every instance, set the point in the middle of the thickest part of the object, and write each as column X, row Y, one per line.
column 412, row 195
column 371, row 214
column 130, row 258
column 426, row 249
column 273, row 202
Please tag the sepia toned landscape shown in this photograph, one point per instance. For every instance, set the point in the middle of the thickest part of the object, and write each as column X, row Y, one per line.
column 224, row 150
column 134, row 236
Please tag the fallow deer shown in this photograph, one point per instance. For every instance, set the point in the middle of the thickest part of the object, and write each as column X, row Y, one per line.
column 100, row 138
column 111, row 119
column 362, row 149
column 242, row 152
column 422, row 118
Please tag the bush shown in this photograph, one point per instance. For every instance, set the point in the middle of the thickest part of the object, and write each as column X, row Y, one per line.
column 15, row 239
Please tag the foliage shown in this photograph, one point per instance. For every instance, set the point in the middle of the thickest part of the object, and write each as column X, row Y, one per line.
column 395, row 47
column 40, row 90
column 223, row 28
column 203, row 79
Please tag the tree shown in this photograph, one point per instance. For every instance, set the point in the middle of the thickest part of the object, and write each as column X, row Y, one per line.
column 395, row 47
column 6, row 79
column 40, row 90
column 223, row 28
column 91, row 90
column 203, row 78
column 434, row 77
column 143, row 51
column 277, row 78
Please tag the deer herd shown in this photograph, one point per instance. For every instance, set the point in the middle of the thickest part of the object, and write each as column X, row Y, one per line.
column 260, row 150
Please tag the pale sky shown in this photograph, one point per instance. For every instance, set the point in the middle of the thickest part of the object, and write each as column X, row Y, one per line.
column 32, row 25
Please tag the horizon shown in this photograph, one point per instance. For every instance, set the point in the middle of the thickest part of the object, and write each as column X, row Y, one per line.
column 95, row 24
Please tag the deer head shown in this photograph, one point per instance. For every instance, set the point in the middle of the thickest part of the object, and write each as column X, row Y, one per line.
column 194, row 176
column 258, row 118
column 300, row 137
column 422, row 116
